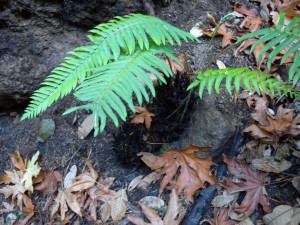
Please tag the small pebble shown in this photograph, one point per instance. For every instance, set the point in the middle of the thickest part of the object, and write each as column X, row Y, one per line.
column 153, row 202
column 46, row 129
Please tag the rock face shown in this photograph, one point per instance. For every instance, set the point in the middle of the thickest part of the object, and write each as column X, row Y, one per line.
column 212, row 124
column 37, row 34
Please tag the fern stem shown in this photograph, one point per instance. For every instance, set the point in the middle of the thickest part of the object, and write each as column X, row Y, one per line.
column 218, row 55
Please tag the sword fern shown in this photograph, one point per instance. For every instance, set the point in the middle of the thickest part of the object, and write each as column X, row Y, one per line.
column 121, row 53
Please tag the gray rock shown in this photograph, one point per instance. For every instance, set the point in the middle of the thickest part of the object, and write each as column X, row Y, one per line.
column 212, row 124
column 153, row 202
column 36, row 35
column 46, row 129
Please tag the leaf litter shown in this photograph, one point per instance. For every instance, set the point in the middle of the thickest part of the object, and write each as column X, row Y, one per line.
column 182, row 171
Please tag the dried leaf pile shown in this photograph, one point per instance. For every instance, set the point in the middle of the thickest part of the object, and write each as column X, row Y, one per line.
column 273, row 135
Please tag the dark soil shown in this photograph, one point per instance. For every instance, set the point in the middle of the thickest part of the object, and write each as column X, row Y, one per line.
column 113, row 153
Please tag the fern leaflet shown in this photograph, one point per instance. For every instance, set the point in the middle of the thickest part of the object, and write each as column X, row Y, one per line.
column 110, row 40
column 278, row 39
column 111, row 85
column 252, row 81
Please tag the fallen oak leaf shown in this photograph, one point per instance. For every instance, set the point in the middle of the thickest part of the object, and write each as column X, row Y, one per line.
column 194, row 171
column 260, row 105
column 144, row 116
column 253, row 184
column 154, row 218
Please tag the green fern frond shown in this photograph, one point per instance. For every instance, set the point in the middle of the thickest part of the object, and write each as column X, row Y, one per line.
column 111, row 86
column 136, row 28
column 110, row 40
column 252, row 81
column 278, row 39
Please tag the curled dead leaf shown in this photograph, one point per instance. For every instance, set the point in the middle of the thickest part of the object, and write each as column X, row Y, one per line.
column 283, row 215
column 253, row 184
column 194, row 171
column 144, row 116
column 172, row 217
column 269, row 164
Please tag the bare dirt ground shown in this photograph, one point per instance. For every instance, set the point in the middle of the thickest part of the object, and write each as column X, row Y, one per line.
column 113, row 153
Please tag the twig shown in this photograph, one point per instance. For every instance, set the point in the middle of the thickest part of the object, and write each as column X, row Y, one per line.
column 278, row 182
column 148, row 4
column 157, row 143
column 181, row 104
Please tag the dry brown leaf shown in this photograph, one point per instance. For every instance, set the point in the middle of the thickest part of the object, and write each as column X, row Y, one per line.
column 283, row 215
column 63, row 201
column 48, row 181
column 85, row 127
column 267, row 5
column 289, row 8
column 296, row 183
column 269, row 164
column 105, row 212
column 32, row 170
column 260, row 105
column 92, row 191
column 194, row 171
column 223, row 200
column 144, row 116
column 240, row 8
column 281, row 123
column 118, row 206
column 8, row 207
column 252, row 23
column 174, row 66
column 221, row 218
column 142, row 182
column 16, row 190
column 252, row 184
column 222, row 31
column 18, row 161
column 247, row 44
column 154, row 218
column 22, row 182
column 261, row 135
column 274, row 127
column 99, row 193
column 70, row 177
column 85, row 180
